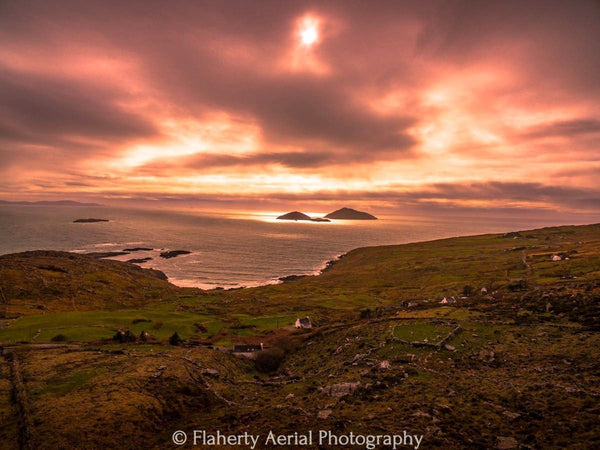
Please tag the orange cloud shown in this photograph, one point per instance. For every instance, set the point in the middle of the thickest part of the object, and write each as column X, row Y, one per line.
column 442, row 104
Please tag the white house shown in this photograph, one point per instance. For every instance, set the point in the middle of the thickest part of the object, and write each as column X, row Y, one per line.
column 303, row 323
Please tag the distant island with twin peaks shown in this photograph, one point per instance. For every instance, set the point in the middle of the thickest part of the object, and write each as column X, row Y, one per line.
column 340, row 214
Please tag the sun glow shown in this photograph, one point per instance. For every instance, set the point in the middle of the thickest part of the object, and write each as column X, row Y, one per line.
column 309, row 31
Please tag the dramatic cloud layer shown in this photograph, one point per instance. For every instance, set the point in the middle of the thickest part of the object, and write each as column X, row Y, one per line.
column 406, row 104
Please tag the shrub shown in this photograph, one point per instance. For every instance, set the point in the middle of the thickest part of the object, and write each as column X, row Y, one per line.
column 126, row 336
column 175, row 339
column 288, row 344
column 520, row 285
column 524, row 316
column 468, row 290
column 200, row 328
column 59, row 338
column 269, row 360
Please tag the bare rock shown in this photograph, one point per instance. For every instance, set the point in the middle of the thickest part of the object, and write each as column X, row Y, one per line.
column 174, row 253
column 384, row 365
column 505, row 443
column 324, row 414
column 358, row 357
column 341, row 389
column 511, row 415
column 211, row 373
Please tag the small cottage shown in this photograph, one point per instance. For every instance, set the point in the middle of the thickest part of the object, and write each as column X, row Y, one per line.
column 303, row 323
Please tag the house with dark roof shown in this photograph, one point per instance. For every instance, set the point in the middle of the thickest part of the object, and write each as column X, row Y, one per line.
column 303, row 323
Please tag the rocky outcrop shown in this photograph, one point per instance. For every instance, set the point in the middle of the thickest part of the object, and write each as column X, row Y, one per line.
column 139, row 260
column 174, row 253
column 341, row 389
column 100, row 255
column 291, row 278
column 89, row 220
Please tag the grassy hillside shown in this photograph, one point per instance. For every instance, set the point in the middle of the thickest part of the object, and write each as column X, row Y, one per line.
column 516, row 366
column 51, row 281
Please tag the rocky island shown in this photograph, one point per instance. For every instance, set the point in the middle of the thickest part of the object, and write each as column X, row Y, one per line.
column 297, row 215
column 294, row 215
column 139, row 260
column 350, row 214
column 174, row 253
column 101, row 255
column 89, row 220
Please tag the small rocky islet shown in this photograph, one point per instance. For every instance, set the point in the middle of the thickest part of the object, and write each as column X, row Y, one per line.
column 174, row 253
column 139, row 260
column 90, row 220
column 297, row 215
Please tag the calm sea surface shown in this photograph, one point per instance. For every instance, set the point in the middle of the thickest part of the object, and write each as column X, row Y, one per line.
column 228, row 250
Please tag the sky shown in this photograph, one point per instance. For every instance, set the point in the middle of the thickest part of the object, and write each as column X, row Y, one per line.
column 448, row 107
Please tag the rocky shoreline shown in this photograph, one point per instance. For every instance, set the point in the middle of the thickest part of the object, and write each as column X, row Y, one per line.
column 326, row 267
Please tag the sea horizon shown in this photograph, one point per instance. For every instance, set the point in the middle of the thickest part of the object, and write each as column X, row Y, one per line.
column 230, row 249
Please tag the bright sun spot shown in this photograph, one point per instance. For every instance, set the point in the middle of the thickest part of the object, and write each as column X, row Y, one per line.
column 309, row 31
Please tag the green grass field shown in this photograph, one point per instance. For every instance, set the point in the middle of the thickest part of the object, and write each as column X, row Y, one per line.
column 96, row 325
column 428, row 332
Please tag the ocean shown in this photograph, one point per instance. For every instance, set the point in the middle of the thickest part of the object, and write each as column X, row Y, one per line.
column 228, row 250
